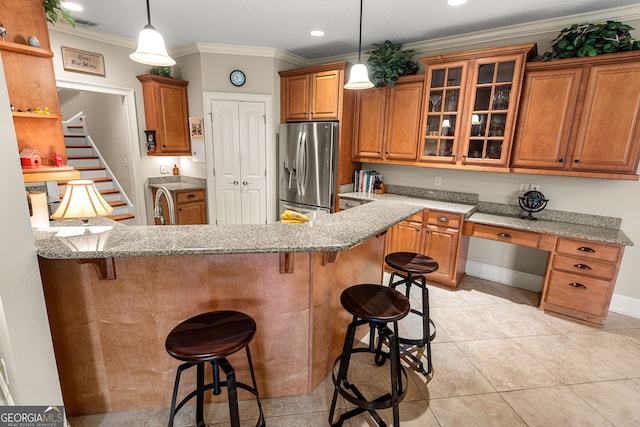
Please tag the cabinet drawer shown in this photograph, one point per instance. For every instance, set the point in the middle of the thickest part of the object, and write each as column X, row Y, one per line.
column 189, row 196
column 591, row 250
column 584, row 267
column 442, row 218
column 507, row 235
column 583, row 294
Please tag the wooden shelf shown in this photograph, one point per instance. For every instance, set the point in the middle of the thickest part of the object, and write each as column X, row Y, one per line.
column 26, row 49
column 36, row 115
column 49, row 173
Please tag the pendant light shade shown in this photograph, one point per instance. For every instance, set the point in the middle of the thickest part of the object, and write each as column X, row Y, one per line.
column 359, row 76
column 151, row 49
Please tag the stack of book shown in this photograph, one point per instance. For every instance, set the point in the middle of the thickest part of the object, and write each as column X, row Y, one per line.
column 366, row 181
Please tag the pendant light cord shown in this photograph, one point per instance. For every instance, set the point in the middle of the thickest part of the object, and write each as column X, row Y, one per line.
column 149, row 13
column 360, row 37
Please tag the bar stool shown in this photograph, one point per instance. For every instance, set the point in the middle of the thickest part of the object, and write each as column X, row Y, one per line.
column 211, row 337
column 411, row 270
column 377, row 306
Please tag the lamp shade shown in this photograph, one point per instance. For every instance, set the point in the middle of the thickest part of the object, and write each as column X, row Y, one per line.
column 82, row 201
column 359, row 78
column 151, row 49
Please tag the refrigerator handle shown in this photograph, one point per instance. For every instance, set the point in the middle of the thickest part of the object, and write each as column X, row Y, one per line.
column 301, row 163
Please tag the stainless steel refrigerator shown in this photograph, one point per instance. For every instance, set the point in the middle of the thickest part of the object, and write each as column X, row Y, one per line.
column 307, row 162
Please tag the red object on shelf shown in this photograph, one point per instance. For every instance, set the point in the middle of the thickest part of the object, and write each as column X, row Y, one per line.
column 31, row 157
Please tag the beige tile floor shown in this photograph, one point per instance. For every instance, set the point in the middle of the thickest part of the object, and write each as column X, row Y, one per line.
column 498, row 361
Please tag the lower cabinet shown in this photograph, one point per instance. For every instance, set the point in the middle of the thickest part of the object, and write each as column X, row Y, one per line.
column 190, row 207
column 438, row 235
column 580, row 279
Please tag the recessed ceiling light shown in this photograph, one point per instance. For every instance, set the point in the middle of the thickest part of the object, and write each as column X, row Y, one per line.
column 317, row 33
column 456, row 2
column 71, row 6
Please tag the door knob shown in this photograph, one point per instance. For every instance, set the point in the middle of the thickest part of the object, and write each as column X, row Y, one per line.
column 234, row 182
column 245, row 183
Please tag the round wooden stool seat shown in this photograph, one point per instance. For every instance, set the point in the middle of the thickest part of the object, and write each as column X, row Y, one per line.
column 210, row 336
column 375, row 303
column 411, row 262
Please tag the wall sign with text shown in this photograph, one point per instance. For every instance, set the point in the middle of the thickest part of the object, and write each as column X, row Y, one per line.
column 81, row 61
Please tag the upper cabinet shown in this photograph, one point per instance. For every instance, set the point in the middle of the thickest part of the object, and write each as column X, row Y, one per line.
column 312, row 94
column 387, row 121
column 581, row 117
column 166, row 112
column 31, row 85
column 470, row 104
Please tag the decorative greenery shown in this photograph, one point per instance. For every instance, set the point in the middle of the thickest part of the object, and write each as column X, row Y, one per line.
column 161, row 71
column 387, row 62
column 53, row 9
column 591, row 40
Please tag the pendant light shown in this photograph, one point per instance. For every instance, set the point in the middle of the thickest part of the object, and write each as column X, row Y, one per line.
column 151, row 49
column 359, row 77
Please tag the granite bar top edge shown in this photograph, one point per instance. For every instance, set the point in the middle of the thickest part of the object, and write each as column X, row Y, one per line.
column 177, row 182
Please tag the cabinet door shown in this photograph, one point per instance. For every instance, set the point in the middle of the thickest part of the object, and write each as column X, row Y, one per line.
column 369, row 125
column 608, row 137
column 191, row 213
column 404, row 237
column 402, row 128
column 548, row 105
column 325, row 95
column 488, row 123
column 173, row 112
column 443, row 106
column 441, row 244
column 295, row 97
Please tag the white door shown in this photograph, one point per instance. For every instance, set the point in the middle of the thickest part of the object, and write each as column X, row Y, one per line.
column 239, row 154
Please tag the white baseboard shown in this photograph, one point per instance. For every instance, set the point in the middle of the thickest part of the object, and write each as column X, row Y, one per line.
column 518, row 279
column 625, row 305
column 619, row 303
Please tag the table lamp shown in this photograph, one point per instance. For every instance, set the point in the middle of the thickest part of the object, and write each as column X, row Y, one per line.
column 82, row 201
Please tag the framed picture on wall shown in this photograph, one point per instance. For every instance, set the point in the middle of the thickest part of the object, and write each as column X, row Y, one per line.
column 82, row 61
column 196, row 128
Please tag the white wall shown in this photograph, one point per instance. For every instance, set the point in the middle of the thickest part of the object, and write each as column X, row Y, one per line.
column 25, row 340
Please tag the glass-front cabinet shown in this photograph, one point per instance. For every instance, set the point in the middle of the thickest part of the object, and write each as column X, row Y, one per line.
column 471, row 103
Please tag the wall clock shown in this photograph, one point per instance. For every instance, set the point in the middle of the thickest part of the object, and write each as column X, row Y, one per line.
column 237, row 78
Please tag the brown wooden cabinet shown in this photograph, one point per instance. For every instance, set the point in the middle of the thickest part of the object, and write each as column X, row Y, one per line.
column 190, row 207
column 436, row 234
column 313, row 93
column 580, row 279
column 471, row 101
column 580, row 117
column 31, row 84
column 166, row 111
column 387, row 121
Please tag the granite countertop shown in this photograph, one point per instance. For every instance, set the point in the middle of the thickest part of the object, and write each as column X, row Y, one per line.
column 324, row 233
column 177, row 183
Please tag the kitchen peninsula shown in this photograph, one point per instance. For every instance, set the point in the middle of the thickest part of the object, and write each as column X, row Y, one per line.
column 108, row 325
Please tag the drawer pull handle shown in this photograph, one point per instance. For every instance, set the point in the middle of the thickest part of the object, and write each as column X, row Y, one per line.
column 577, row 285
column 443, row 219
column 349, row 204
column 191, row 196
column 586, row 249
column 582, row 266
column 504, row 235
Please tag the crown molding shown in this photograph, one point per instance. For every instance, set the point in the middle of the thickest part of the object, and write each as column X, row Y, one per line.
column 533, row 30
column 92, row 34
column 229, row 49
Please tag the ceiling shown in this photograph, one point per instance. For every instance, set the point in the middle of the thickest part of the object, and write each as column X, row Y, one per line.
column 285, row 24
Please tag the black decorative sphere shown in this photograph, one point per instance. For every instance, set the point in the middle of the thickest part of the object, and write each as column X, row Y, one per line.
column 532, row 201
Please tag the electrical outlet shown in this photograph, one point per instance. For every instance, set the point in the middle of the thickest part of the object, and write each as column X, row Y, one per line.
column 164, row 169
column 524, row 188
column 535, row 187
column 438, row 180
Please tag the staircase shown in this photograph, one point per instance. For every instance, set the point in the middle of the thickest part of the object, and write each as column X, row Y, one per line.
column 84, row 156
